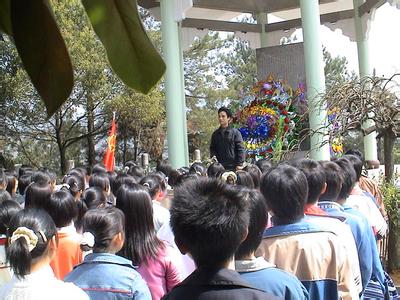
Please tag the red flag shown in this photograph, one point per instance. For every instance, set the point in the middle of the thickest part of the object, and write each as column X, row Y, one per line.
column 109, row 157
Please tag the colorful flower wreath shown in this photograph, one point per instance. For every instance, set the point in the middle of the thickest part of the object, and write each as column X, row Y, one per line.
column 336, row 141
column 267, row 118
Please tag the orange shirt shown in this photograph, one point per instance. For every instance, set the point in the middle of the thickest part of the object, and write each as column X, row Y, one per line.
column 68, row 254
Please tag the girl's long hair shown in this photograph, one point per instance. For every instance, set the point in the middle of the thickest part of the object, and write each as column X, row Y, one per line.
column 141, row 241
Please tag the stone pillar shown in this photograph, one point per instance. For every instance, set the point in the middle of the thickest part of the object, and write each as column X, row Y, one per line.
column 262, row 19
column 176, row 117
column 314, row 66
column 370, row 145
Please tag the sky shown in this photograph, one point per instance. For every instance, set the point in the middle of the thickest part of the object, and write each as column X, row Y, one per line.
column 384, row 42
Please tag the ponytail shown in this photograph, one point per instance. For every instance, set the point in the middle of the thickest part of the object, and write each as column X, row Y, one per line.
column 30, row 232
column 19, row 256
column 100, row 225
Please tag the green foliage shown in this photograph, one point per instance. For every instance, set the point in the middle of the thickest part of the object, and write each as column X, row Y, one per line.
column 391, row 198
column 140, row 122
column 5, row 16
column 336, row 70
column 45, row 57
column 42, row 51
column 130, row 51
column 30, row 136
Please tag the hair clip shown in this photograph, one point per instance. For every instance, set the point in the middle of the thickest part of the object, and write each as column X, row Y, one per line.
column 88, row 239
column 27, row 234
column 232, row 175
column 146, row 184
column 43, row 236
column 65, row 185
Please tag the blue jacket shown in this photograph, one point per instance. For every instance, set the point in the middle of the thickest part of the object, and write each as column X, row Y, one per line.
column 315, row 256
column 108, row 276
column 265, row 276
column 368, row 255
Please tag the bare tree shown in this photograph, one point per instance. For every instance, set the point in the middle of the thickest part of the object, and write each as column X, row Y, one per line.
column 367, row 105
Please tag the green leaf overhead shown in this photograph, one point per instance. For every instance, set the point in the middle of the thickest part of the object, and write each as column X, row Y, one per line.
column 129, row 49
column 5, row 21
column 42, row 51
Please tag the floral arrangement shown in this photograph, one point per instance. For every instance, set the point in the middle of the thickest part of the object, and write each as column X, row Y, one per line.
column 336, row 141
column 267, row 117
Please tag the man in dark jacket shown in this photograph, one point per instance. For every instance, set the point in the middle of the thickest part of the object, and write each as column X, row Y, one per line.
column 227, row 143
column 211, row 237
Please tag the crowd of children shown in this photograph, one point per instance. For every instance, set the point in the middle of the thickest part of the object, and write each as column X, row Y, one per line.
column 301, row 229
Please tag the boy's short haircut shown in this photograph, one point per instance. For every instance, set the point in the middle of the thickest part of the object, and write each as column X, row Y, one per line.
column 334, row 181
column 40, row 177
column 255, row 174
column 209, row 218
column 257, row 224
column 315, row 175
column 349, row 177
column 357, row 164
column 23, row 183
column 285, row 190
column 214, row 169
column 264, row 165
column 226, row 110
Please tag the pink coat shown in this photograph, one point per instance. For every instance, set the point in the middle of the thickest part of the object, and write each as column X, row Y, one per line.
column 160, row 274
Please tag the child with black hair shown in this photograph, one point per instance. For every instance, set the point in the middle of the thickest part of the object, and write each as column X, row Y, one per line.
column 257, row 271
column 102, row 274
column 63, row 209
column 340, row 178
column 32, row 245
column 120, row 180
column 152, row 256
column 7, row 210
column 214, row 169
column 136, row 171
column 164, row 166
column 94, row 197
column 244, row 179
column 41, row 177
column 23, row 182
column 255, row 174
column 316, row 180
column 199, row 169
column 74, row 184
column 156, row 187
column 369, row 185
column 99, row 168
column 361, row 202
column 5, row 196
column 210, row 220
column 313, row 254
column 102, row 181
column 37, row 194
column 52, row 177
column 264, row 165
column 81, row 174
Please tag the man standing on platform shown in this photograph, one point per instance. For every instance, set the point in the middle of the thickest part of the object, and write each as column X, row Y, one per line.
column 227, row 142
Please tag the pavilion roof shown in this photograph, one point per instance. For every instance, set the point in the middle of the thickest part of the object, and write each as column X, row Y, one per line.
column 242, row 6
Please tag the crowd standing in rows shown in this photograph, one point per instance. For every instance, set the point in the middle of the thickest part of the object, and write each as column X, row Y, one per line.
column 299, row 230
